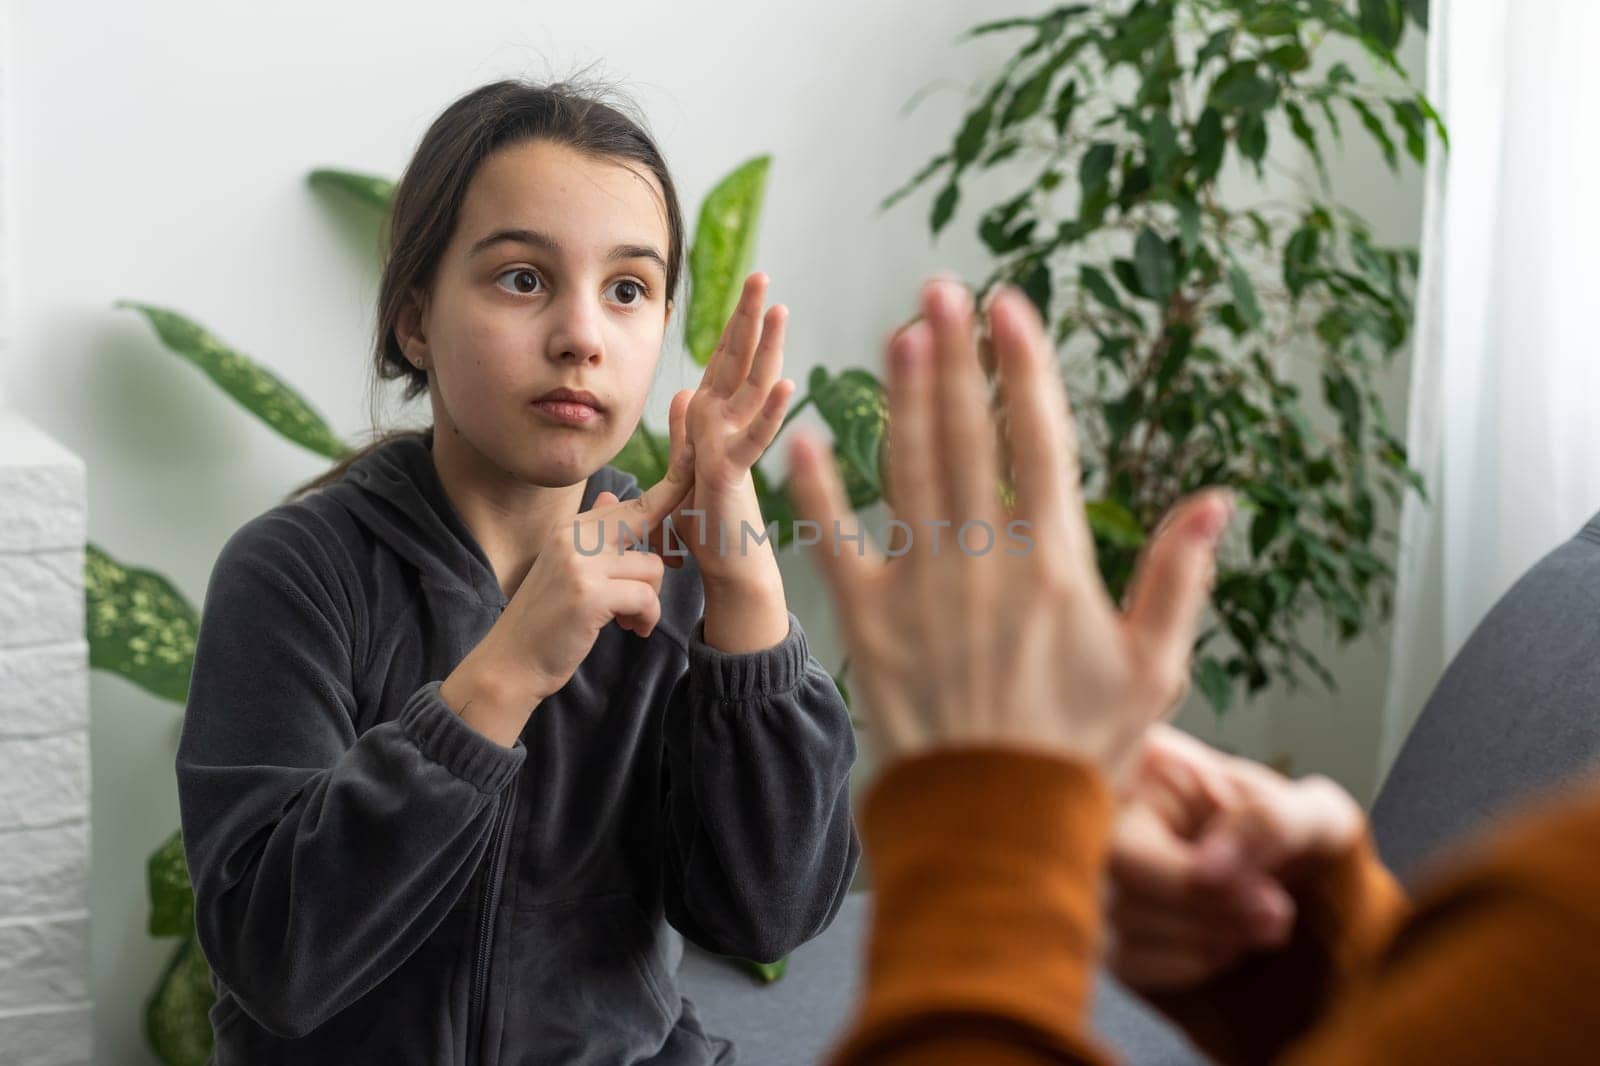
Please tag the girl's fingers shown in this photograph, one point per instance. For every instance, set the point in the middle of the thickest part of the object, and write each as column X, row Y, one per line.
column 759, row 435
column 966, row 446
column 913, row 490
column 644, row 567
column 764, row 370
column 646, row 512
column 1172, row 583
column 635, row 605
column 681, row 450
column 733, row 355
column 678, row 425
column 847, row 566
column 1043, row 442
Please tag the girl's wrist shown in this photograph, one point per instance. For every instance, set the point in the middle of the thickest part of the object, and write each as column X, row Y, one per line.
column 494, row 697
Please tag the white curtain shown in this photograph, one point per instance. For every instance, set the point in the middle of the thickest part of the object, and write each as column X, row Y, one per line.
column 1505, row 397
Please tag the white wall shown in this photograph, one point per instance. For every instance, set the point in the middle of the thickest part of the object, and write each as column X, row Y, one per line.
column 162, row 150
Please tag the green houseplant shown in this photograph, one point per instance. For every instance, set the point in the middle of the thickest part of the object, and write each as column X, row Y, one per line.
column 142, row 628
column 1205, row 328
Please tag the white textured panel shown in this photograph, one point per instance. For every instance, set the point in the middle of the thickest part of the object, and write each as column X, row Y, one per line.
column 41, row 507
column 44, row 962
column 44, row 871
column 41, row 598
column 58, row 1037
column 44, row 780
column 45, row 689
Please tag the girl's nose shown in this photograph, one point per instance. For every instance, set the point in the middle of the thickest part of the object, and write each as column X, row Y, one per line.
column 576, row 337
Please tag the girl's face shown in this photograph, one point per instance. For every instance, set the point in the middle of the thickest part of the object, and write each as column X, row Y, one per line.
column 555, row 277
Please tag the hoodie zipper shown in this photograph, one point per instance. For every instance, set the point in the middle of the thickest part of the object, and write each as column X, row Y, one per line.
column 491, row 900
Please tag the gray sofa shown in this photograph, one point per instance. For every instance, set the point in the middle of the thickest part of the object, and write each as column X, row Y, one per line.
column 1518, row 710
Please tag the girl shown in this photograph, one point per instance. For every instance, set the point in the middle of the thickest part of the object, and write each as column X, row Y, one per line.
column 436, row 809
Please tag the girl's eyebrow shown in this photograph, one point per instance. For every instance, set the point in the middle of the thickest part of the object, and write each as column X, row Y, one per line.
column 538, row 239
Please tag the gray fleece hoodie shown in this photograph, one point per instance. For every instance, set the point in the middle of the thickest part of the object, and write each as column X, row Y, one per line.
column 377, row 882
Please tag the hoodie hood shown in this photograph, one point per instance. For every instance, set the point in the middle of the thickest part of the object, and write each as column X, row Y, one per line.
column 395, row 492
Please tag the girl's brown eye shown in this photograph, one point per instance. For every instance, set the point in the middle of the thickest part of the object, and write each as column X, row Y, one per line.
column 524, row 280
column 628, row 291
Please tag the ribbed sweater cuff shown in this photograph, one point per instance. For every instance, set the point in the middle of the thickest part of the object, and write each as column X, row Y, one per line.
column 744, row 675
column 442, row 736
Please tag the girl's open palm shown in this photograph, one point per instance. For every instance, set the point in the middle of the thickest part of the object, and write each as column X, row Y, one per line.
column 1004, row 646
column 739, row 406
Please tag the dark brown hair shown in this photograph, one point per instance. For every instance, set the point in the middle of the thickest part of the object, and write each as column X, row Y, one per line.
column 428, row 198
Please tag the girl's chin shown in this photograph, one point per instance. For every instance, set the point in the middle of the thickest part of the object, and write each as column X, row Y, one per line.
column 560, row 463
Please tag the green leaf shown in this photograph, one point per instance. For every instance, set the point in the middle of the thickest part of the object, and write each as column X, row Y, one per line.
column 1417, row 10
column 260, row 391
column 1211, row 677
column 1095, row 170
column 724, row 247
column 768, row 972
column 139, row 626
column 1188, row 222
column 1244, row 296
column 1253, row 139
column 1375, row 127
column 645, row 456
column 1307, row 136
column 944, row 208
column 1154, row 263
column 1030, row 96
column 171, row 895
column 1128, row 274
column 1216, row 47
column 1341, row 394
column 1240, row 88
column 1161, row 141
column 916, row 181
column 1289, row 58
column 1381, row 20
column 1299, row 260
column 969, row 142
column 1037, row 285
column 1265, row 527
column 368, row 189
column 1210, row 142
column 853, row 405
column 1277, row 21
column 1113, row 523
column 1410, row 118
column 1066, row 104
column 1102, row 290
column 177, row 1024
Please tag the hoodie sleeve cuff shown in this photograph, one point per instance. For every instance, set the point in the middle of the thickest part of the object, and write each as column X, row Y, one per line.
column 442, row 736
column 738, row 676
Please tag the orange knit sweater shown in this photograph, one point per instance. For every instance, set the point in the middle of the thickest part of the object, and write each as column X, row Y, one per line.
column 988, row 866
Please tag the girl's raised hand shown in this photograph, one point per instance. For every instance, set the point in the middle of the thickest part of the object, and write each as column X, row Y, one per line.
column 736, row 411
column 1004, row 646
column 729, row 421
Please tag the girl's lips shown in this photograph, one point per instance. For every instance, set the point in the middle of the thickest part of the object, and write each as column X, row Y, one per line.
column 567, row 411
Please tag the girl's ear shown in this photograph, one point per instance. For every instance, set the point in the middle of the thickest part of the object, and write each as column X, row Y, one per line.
column 670, row 307
column 408, row 330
